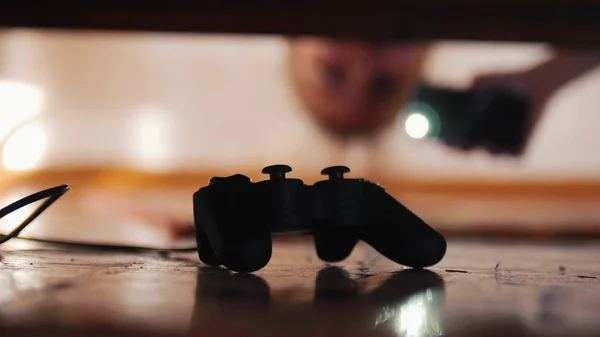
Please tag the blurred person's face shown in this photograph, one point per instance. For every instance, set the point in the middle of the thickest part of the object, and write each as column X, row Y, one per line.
column 352, row 87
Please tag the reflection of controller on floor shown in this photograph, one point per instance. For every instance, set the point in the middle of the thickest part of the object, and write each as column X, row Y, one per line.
column 235, row 217
column 405, row 303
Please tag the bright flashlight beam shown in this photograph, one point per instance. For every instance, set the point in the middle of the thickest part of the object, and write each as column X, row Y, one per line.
column 416, row 125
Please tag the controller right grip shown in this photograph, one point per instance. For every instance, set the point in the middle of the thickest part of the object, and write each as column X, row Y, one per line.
column 400, row 235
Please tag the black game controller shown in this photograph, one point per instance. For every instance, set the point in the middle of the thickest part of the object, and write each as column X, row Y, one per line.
column 235, row 218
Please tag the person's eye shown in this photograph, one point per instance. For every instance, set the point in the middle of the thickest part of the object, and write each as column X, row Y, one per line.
column 383, row 85
column 334, row 73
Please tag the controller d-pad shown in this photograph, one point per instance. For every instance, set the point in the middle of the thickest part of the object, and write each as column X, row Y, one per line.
column 236, row 178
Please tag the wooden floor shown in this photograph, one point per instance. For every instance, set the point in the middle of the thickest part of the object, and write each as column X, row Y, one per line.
column 479, row 289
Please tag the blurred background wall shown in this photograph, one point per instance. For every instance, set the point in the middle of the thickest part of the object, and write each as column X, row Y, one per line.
column 189, row 102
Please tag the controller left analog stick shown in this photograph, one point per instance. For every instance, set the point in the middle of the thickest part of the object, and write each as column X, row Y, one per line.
column 335, row 172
